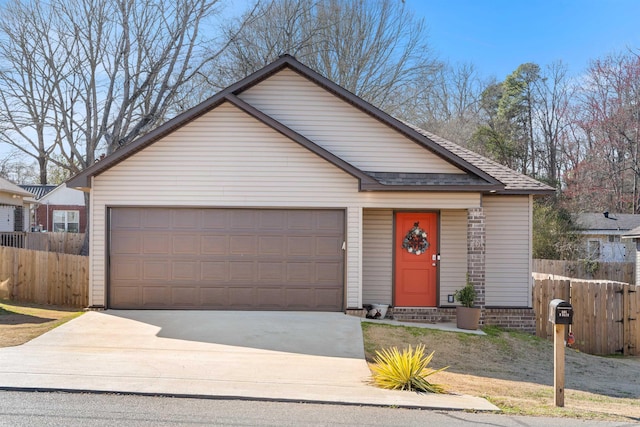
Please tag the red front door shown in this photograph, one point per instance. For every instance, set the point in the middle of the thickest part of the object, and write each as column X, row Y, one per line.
column 416, row 267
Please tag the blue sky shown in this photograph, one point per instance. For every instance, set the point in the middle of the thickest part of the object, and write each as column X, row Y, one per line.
column 499, row 35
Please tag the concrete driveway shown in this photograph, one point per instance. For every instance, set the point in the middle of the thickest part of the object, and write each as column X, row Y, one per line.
column 313, row 357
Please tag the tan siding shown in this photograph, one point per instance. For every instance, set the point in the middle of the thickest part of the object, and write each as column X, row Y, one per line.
column 508, row 259
column 227, row 158
column 377, row 256
column 354, row 257
column 340, row 127
column 453, row 252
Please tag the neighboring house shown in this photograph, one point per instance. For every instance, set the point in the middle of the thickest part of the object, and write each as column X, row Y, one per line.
column 14, row 207
column 287, row 192
column 634, row 235
column 58, row 209
column 603, row 236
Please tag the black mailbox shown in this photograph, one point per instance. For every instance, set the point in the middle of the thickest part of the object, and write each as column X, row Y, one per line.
column 560, row 312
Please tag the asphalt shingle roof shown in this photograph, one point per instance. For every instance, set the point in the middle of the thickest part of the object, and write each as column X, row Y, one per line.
column 598, row 221
column 512, row 180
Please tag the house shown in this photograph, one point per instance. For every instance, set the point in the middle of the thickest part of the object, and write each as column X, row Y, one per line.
column 14, row 207
column 287, row 192
column 58, row 208
column 634, row 236
column 604, row 236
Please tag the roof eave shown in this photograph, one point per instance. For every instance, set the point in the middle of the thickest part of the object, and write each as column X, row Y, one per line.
column 376, row 186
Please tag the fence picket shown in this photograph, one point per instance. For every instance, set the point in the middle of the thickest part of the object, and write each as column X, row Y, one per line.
column 598, row 307
column 45, row 277
column 592, row 270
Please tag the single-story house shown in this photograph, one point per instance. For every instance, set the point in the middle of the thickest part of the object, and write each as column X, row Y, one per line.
column 603, row 236
column 58, row 208
column 634, row 236
column 14, row 207
column 287, row 192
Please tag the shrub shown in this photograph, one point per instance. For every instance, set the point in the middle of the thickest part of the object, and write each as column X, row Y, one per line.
column 406, row 370
column 467, row 295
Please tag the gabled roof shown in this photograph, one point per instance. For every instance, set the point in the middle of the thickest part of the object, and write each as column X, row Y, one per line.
column 38, row 190
column 595, row 223
column 483, row 174
column 11, row 188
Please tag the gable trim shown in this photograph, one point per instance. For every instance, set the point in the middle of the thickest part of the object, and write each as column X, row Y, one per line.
column 83, row 179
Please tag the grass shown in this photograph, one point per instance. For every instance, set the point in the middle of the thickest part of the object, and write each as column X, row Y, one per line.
column 22, row 322
column 514, row 371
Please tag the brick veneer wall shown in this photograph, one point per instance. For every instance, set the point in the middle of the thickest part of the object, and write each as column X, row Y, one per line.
column 519, row 319
column 476, row 244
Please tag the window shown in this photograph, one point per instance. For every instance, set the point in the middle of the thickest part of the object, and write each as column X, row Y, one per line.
column 68, row 221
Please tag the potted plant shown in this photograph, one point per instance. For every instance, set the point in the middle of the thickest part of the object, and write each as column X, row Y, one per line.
column 467, row 316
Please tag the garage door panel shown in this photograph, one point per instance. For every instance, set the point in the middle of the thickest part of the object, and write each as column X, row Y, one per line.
column 269, row 298
column 186, row 244
column 271, row 245
column 302, row 246
column 214, row 245
column 156, row 296
column 126, row 296
column 128, row 269
column 156, row 218
column 126, row 243
column 185, row 219
column 328, row 272
column 272, row 220
column 300, row 272
column 242, row 297
column 185, row 296
column 214, row 297
column 127, row 217
column 271, row 272
column 156, row 243
column 155, row 270
column 243, row 245
column 243, row 220
column 301, row 220
column 240, row 271
column 215, row 271
column 214, row 219
column 185, row 270
column 226, row 259
column 329, row 246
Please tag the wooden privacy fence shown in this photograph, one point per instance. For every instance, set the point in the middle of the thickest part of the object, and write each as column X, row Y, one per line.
column 44, row 277
column 606, row 314
column 589, row 270
column 68, row 243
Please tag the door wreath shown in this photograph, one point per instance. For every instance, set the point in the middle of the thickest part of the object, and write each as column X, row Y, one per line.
column 415, row 242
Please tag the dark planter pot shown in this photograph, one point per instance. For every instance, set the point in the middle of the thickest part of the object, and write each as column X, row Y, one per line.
column 467, row 317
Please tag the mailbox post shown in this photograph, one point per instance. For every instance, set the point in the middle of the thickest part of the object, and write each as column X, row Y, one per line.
column 560, row 314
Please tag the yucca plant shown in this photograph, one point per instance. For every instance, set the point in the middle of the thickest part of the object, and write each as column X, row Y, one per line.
column 406, row 370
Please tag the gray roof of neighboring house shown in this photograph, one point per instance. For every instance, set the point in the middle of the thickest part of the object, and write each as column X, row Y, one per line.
column 592, row 222
column 483, row 175
column 38, row 190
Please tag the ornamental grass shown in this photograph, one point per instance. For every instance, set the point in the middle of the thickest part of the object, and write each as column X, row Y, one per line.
column 405, row 370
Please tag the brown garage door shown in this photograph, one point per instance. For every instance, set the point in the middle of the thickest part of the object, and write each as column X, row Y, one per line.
column 245, row 259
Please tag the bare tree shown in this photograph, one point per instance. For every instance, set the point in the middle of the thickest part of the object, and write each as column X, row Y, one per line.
column 447, row 101
column 84, row 76
column 373, row 48
column 26, row 78
column 552, row 112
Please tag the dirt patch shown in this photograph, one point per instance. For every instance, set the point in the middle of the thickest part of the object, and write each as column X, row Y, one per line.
column 21, row 322
column 515, row 371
